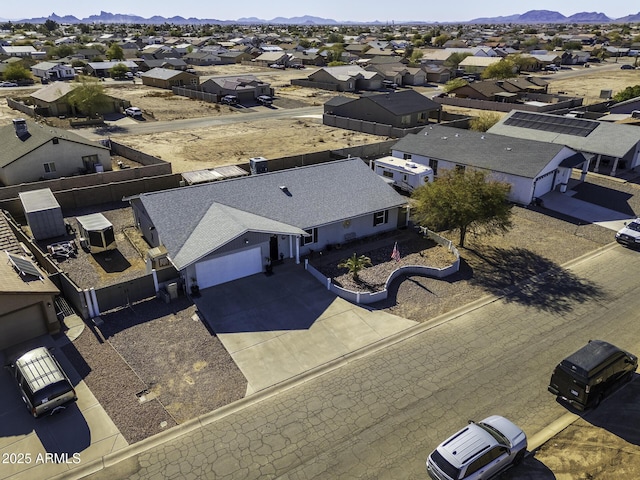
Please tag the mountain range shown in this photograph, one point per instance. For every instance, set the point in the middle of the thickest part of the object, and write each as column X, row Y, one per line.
column 530, row 17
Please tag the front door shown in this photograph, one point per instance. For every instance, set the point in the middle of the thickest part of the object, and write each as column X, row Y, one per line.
column 273, row 248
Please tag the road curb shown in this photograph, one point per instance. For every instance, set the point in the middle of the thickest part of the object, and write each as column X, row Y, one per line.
column 202, row 421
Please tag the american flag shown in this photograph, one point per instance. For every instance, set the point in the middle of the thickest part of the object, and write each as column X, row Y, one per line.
column 396, row 253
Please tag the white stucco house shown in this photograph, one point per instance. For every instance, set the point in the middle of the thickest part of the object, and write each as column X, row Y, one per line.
column 532, row 168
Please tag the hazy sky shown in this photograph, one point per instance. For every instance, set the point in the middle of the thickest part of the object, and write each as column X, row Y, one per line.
column 339, row 10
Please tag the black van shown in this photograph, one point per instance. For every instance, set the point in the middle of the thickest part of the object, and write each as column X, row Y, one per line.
column 586, row 376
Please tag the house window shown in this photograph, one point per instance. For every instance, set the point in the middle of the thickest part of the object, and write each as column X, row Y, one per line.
column 387, row 173
column 405, row 120
column 50, row 167
column 55, row 140
column 313, row 238
column 434, row 166
column 422, row 117
column 381, row 217
column 406, row 156
column 89, row 162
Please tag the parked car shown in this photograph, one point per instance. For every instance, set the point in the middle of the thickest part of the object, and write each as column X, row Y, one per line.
column 297, row 65
column 586, row 376
column 229, row 100
column 627, row 67
column 277, row 65
column 43, row 385
column 8, row 84
column 389, row 84
column 629, row 235
column 133, row 112
column 479, row 451
column 265, row 100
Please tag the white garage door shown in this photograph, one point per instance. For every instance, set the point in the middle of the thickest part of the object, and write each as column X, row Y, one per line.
column 229, row 267
column 544, row 184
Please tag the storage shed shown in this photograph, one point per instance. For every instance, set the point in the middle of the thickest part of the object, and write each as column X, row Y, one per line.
column 43, row 214
column 96, row 233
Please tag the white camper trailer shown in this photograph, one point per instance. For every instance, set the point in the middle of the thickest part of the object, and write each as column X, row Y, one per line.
column 403, row 174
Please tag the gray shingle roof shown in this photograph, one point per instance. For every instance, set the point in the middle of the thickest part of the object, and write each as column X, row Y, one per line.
column 607, row 139
column 206, row 216
column 403, row 102
column 498, row 153
column 14, row 147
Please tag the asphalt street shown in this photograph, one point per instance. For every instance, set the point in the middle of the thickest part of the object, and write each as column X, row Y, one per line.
column 379, row 415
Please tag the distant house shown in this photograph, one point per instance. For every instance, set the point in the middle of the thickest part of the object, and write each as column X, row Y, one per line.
column 399, row 73
column 235, row 56
column 531, row 167
column 436, row 73
column 244, row 87
column 202, row 58
column 53, row 71
column 168, row 63
column 53, row 98
column 217, row 232
column 270, row 58
column 166, row 78
column 347, row 78
column 477, row 64
column 102, row 69
column 20, row 51
column 27, row 295
column 402, row 109
column 31, row 152
column 601, row 142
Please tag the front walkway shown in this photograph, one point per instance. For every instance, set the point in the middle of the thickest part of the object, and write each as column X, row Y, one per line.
column 279, row 326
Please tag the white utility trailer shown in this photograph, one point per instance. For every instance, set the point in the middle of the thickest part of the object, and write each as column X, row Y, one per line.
column 403, row 174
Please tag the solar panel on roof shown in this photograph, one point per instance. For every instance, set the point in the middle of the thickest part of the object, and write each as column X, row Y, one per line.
column 24, row 266
column 548, row 123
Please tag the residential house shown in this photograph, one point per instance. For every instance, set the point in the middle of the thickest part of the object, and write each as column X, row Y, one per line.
column 476, row 64
column 53, row 71
column 436, row 73
column 27, row 295
column 399, row 73
column 202, row 58
column 531, row 167
column 32, row 152
column 306, row 58
column 52, row 100
column 401, row 109
column 147, row 64
column 278, row 57
column 217, row 232
column 235, row 56
column 602, row 143
column 19, row 51
column 245, row 87
column 102, row 69
column 166, row 78
column 507, row 90
column 347, row 78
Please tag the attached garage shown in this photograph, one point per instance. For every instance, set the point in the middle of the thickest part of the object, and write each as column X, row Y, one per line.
column 22, row 325
column 229, row 267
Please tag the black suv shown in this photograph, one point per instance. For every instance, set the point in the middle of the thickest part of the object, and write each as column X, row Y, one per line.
column 586, row 376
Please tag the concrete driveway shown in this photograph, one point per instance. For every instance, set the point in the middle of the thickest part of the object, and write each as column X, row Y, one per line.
column 42, row 448
column 279, row 326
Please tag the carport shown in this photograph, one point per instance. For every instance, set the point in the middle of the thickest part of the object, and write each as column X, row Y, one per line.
column 282, row 325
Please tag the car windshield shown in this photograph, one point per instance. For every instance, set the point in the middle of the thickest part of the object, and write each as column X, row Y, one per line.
column 445, row 466
column 635, row 226
column 495, row 433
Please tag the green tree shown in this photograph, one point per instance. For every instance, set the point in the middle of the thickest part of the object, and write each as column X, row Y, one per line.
column 523, row 63
column 454, row 60
column 463, row 200
column 119, row 70
column 627, row 94
column 484, row 121
column 455, row 83
column 440, row 40
column 354, row 264
column 60, row 51
column 89, row 97
column 505, row 68
column 16, row 71
column 115, row 52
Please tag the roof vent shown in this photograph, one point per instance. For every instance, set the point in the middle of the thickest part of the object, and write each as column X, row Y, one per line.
column 285, row 190
column 481, row 137
column 444, row 138
column 508, row 149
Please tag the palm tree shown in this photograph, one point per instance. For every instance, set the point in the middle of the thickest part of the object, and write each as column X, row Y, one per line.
column 355, row 263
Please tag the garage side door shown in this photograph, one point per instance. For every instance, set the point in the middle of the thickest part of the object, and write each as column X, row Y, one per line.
column 21, row 325
column 229, row 267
